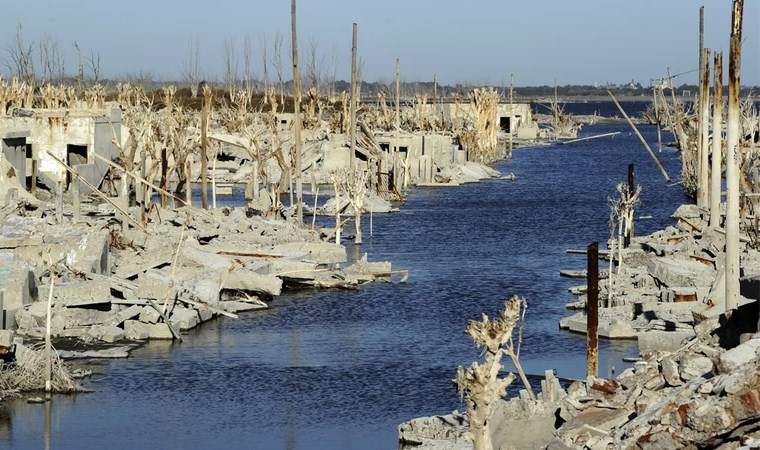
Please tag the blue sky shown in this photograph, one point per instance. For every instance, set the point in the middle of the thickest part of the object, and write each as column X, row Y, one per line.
column 481, row 41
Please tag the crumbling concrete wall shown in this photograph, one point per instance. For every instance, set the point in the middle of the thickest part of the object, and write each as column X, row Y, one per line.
column 53, row 130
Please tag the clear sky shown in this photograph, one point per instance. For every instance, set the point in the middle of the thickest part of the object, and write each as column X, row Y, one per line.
column 480, row 41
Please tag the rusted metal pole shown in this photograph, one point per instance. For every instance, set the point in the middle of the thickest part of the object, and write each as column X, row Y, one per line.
column 641, row 138
column 717, row 144
column 733, row 156
column 297, row 116
column 703, row 179
column 592, row 311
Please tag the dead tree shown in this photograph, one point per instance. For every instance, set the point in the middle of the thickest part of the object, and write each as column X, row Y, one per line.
column 480, row 384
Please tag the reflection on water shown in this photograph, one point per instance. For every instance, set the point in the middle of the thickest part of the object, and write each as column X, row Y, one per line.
column 341, row 369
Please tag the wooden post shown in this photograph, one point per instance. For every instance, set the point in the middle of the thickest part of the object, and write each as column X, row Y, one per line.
column 297, row 124
column 703, row 178
column 34, row 175
column 641, row 138
column 435, row 97
column 48, row 344
column 164, row 177
column 701, row 43
column 188, row 184
column 733, row 156
column 592, row 311
column 213, row 181
column 59, row 201
column 75, row 199
column 353, row 104
column 631, row 191
column 717, row 143
column 511, row 110
column 204, row 146
column 398, row 118
column 142, row 191
column 657, row 119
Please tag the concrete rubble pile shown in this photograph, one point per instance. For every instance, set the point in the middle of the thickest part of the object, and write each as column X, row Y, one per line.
column 116, row 283
column 699, row 396
column 667, row 279
column 696, row 385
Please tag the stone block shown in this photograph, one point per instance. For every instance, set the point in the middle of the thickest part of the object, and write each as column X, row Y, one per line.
column 6, row 338
column 149, row 315
column 679, row 272
column 670, row 371
column 17, row 281
column 153, row 284
column 129, row 313
column 746, row 353
column 136, row 330
column 662, row 341
column 617, row 329
column 183, row 318
column 84, row 250
column 107, row 333
column 694, row 367
column 204, row 314
column 159, row 331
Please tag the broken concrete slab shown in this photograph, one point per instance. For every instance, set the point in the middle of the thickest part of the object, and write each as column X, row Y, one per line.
column 183, row 318
column 106, row 333
column 695, row 367
column 662, row 341
column 322, row 253
column 17, row 281
column 746, row 353
column 126, row 314
column 678, row 272
column 80, row 293
column 136, row 330
column 158, row 330
column 148, row 314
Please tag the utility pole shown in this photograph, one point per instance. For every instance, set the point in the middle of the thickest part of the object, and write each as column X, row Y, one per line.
column 297, row 111
column 353, row 104
column 204, row 145
column 717, row 144
column 703, row 183
column 733, row 154
column 700, row 105
column 398, row 121
column 511, row 110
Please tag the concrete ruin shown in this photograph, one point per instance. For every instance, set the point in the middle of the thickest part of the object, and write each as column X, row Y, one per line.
column 30, row 137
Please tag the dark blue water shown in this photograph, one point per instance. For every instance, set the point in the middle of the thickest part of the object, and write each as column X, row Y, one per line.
column 341, row 369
